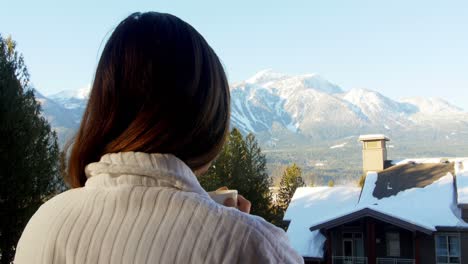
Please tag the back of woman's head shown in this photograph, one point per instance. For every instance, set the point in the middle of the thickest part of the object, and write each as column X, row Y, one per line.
column 158, row 88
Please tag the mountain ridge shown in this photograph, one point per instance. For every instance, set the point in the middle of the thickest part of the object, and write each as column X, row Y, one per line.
column 306, row 107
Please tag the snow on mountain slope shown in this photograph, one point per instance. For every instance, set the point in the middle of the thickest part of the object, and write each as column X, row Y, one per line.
column 265, row 77
column 380, row 109
column 64, row 121
column 81, row 93
column 312, row 108
column 433, row 105
column 306, row 82
column 72, row 99
column 255, row 109
column 54, row 112
column 287, row 83
column 296, row 102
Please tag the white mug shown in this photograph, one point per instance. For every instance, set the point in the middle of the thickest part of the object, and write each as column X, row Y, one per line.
column 220, row 196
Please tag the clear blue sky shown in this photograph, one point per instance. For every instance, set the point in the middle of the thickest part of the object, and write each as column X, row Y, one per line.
column 399, row 48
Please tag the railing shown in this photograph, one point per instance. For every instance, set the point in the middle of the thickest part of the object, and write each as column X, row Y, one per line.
column 394, row 261
column 363, row 260
column 348, row 260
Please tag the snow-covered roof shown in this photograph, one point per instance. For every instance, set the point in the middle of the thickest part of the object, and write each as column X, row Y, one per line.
column 426, row 160
column 429, row 207
column 311, row 205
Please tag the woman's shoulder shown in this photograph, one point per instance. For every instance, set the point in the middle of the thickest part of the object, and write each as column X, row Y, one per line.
column 36, row 235
column 55, row 205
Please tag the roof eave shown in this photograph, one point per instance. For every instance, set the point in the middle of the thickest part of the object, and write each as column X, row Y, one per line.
column 451, row 228
column 367, row 212
column 313, row 258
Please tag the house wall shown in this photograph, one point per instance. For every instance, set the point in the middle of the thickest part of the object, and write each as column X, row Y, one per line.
column 406, row 244
column 406, row 241
column 465, row 214
column 427, row 249
column 337, row 243
column 381, row 228
column 337, row 236
column 464, row 247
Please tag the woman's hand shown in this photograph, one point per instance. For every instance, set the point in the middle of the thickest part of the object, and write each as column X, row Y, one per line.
column 242, row 204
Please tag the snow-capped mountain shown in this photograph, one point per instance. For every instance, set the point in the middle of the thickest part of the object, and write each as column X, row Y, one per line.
column 72, row 99
column 298, row 103
column 271, row 104
column 311, row 105
column 64, row 121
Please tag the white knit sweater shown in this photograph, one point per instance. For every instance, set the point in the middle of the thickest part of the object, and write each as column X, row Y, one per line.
column 146, row 208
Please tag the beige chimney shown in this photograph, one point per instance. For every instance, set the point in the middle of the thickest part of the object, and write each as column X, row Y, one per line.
column 374, row 152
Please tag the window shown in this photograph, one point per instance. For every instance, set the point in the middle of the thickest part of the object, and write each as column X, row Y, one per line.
column 393, row 244
column 353, row 244
column 447, row 248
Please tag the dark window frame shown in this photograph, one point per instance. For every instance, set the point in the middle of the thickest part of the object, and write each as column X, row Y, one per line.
column 447, row 242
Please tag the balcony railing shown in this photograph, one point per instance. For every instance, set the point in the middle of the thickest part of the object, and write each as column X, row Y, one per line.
column 363, row 260
column 394, row 261
column 348, row 260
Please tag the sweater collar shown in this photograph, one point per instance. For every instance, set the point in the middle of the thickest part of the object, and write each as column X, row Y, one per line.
column 138, row 168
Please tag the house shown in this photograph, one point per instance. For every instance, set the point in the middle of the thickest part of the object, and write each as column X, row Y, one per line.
column 409, row 211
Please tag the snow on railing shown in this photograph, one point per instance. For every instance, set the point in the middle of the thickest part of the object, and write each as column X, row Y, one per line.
column 394, row 261
column 348, row 260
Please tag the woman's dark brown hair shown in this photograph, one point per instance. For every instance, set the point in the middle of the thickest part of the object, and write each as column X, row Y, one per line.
column 158, row 88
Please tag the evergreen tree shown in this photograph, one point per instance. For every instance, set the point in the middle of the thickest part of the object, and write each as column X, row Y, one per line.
column 290, row 181
column 259, row 181
column 28, row 151
column 242, row 166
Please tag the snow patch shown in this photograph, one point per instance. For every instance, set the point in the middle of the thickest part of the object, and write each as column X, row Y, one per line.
column 82, row 94
column 461, row 172
column 339, row 146
column 369, row 185
column 265, row 77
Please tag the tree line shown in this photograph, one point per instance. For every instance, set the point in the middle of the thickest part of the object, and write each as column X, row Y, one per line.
column 28, row 151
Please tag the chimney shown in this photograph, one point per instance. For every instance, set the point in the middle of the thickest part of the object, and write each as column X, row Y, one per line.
column 374, row 152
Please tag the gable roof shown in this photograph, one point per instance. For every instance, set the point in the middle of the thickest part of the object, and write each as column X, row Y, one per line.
column 373, row 213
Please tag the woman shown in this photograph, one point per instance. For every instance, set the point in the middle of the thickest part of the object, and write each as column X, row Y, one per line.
column 158, row 114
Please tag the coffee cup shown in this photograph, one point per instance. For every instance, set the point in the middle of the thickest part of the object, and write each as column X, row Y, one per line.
column 220, row 196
